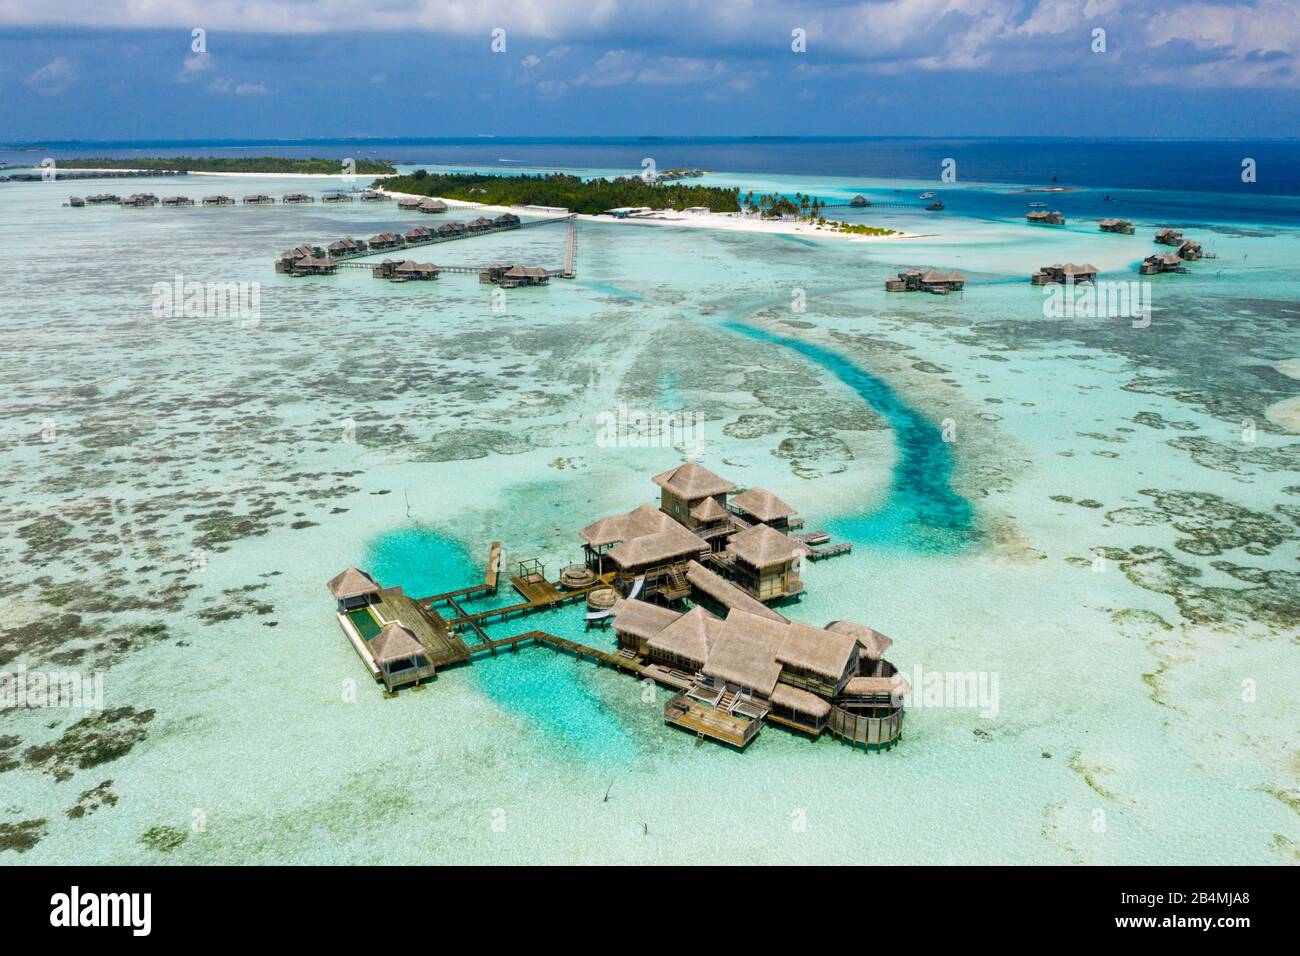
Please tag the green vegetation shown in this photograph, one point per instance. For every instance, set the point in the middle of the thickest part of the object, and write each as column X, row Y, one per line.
column 835, row 225
column 589, row 196
column 230, row 164
column 775, row 205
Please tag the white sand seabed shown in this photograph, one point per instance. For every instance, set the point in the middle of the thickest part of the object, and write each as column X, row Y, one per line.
column 729, row 221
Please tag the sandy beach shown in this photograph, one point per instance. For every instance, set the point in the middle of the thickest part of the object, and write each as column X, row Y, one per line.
column 732, row 222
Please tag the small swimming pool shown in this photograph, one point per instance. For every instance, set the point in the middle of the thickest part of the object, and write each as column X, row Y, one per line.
column 364, row 622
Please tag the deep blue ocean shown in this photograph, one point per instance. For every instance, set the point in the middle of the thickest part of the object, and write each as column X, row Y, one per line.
column 1213, row 167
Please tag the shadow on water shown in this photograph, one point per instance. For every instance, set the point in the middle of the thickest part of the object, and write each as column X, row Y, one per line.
column 922, row 511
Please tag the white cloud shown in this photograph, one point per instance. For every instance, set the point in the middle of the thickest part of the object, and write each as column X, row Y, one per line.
column 530, row 60
column 195, row 65
column 250, row 89
column 54, row 77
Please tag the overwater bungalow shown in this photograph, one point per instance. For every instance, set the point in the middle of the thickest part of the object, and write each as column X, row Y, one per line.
column 290, row 257
column 353, row 589
column 1045, row 218
column 371, row 195
column 347, row 246
column 419, row 234
column 695, row 498
column 1190, row 251
column 140, row 200
column 408, row 202
column 336, row 197
column 761, row 506
column 932, row 280
column 935, row 206
column 1067, row 273
column 765, row 563
column 103, row 198
column 654, row 565
column 506, row 219
column 517, row 276
column 76, row 202
column 314, row 266
column 479, row 224
column 385, row 240
column 410, row 270
column 859, row 202
column 744, row 669
column 431, row 206
column 1161, row 262
column 218, row 200
column 261, row 199
column 1116, row 225
column 177, row 201
column 400, row 657
column 1169, row 237
column 491, row 275
column 293, row 199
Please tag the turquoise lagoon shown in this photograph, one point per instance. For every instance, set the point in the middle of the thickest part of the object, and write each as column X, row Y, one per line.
column 1111, row 532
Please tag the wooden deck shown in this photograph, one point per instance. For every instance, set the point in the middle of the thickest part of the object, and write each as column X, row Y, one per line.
column 442, row 644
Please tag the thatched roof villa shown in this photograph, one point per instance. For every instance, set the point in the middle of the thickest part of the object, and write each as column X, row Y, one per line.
column 1161, row 262
column 218, row 200
column 1065, row 273
column 1169, row 237
column 932, row 280
column 740, row 670
column 1044, row 218
column 430, row 205
column 1116, row 225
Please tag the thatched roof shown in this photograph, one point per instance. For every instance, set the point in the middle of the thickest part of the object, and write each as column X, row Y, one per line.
column 825, row 653
column 642, row 619
column 934, row 275
column 761, row 504
column 673, row 543
column 745, row 652
column 643, row 519
column 352, row 583
column 690, row 636
column 896, row 687
column 726, row 593
column 394, row 643
column 783, row 695
column 874, row 644
column 691, row 481
column 764, row 547
column 709, row 510
column 525, row 272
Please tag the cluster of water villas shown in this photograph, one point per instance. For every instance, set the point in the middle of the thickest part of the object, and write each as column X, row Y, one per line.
column 1189, row 250
column 1065, row 273
column 932, row 280
column 698, row 537
column 139, row 200
column 306, row 260
column 396, row 641
column 426, row 204
column 736, row 672
column 1116, row 225
column 218, row 200
column 295, row 199
column 259, row 199
column 404, row 270
column 1044, row 218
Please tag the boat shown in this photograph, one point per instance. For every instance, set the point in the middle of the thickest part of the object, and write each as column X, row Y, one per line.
column 927, row 195
column 1038, row 205
column 1108, row 198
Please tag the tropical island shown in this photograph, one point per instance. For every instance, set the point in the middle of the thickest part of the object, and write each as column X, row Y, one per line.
column 587, row 196
column 233, row 164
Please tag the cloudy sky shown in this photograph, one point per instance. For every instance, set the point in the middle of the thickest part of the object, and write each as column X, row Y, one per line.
column 100, row 69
